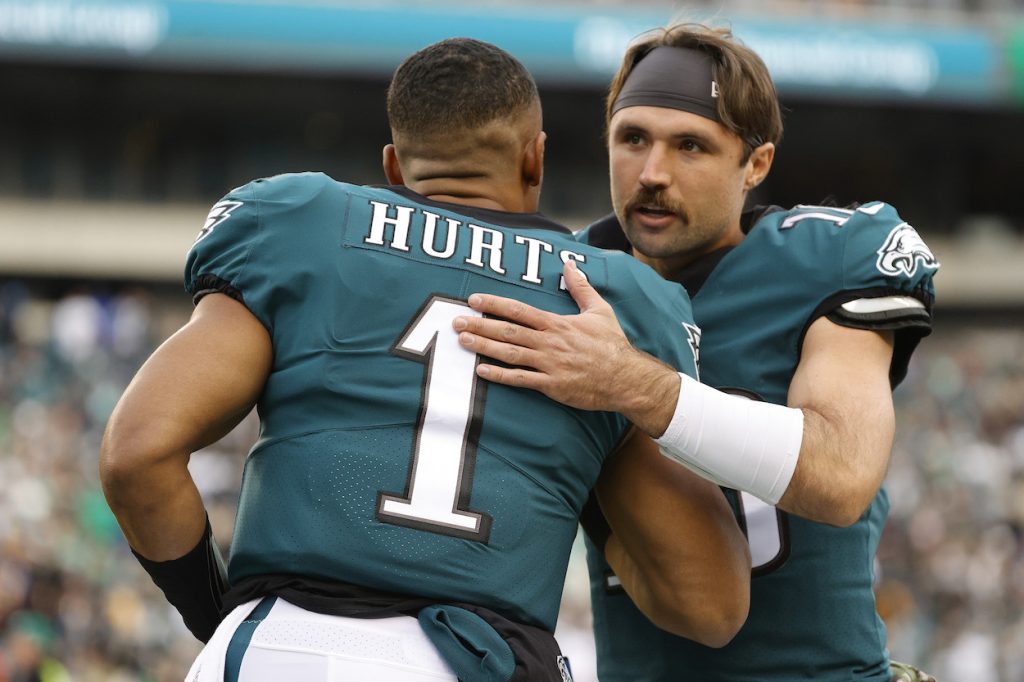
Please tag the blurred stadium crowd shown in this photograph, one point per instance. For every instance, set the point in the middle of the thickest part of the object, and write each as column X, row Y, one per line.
column 74, row 605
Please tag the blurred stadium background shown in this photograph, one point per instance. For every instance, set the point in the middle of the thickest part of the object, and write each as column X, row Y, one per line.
column 121, row 122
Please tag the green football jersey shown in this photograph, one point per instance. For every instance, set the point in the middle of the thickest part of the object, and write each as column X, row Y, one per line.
column 812, row 611
column 383, row 461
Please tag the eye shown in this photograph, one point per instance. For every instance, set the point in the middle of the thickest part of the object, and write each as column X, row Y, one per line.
column 690, row 145
column 633, row 139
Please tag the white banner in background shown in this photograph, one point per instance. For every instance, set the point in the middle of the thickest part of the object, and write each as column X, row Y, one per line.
column 135, row 27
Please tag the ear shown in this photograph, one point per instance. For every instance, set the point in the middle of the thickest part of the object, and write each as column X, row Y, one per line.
column 533, row 161
column 758, row 165
column 392, row 170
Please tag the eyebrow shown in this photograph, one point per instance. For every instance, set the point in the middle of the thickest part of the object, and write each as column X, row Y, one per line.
column 631, row 128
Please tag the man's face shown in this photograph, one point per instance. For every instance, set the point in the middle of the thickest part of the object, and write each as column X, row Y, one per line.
column 677, row 183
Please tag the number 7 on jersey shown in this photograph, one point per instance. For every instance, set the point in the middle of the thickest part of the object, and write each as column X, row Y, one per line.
column 437, row 494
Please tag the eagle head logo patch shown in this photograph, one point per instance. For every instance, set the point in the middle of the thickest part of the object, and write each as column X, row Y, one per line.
column 903, row 251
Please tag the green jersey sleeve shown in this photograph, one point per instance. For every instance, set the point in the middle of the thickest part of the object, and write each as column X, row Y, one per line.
column 888, row 280
column 255, row 231
column 885, row 261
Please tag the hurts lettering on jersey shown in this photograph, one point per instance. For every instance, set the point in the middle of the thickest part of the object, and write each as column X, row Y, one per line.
column 407, row 229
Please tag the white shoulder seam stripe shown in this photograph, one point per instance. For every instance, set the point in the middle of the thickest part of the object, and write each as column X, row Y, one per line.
column 871, row 209
column 865, row 306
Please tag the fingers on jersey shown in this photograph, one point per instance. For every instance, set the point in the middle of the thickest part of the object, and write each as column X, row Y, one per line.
column 576, row 282
column 517, row 352
column 519, row 378
column 505, row 341
column 510, row 309
column 497, row 330
column 507, row 353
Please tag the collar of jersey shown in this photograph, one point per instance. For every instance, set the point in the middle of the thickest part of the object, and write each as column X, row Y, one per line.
column 528, row 221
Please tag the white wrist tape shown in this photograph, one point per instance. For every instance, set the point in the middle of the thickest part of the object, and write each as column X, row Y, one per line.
column 736, row 442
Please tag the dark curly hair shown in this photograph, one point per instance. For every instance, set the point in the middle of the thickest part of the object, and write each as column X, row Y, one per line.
column 457, row 84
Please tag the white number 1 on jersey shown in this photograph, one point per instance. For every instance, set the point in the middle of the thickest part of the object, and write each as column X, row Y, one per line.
column 440, row 481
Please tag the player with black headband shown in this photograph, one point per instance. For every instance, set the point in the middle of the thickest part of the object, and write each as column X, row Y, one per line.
column 400, row 519
column 807, row 316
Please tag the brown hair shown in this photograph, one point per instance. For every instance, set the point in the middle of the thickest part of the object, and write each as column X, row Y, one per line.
column 747, row 105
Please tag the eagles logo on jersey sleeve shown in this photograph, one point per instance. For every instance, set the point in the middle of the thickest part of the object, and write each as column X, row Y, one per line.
column 887, row 283
column 902, row 253
column 220, row 212
column 867, row 267
column 259, row 242
column 888, row 272
column 217, row 259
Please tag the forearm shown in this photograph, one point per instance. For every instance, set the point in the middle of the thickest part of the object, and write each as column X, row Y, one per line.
column 643, row 593
column 157, row 506
column 644, row 390
column 687, row 603
column 161, row 513
column 674, row 543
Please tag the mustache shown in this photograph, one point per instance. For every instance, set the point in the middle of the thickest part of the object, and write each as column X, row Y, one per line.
column 655, row 197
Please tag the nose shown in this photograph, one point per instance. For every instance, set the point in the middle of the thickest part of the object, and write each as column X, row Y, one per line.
column 657, row 170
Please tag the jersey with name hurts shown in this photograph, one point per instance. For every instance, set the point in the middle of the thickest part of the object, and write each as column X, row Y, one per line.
column 812, row 612
column 383, row 460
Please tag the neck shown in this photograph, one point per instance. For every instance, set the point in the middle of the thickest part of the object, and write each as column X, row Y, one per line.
column 484, row 168
column 667, row 267
column 479, row 192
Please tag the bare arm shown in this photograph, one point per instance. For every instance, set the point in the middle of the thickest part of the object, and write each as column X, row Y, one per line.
column 194, row 389
column 675, row 544
column 842, row 386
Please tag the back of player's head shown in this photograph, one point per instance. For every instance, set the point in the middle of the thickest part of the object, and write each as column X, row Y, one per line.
column 745, row 100
column 458, row 85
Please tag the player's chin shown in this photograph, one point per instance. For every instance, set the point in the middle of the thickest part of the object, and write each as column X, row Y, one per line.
column 646, row 246
column 654, row 243
column 654, row 222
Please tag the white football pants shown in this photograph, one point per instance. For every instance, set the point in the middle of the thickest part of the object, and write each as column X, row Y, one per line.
column 290, row 643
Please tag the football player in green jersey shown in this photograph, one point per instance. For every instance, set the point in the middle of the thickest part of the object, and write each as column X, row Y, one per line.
column 814, row 308
column 388, row 480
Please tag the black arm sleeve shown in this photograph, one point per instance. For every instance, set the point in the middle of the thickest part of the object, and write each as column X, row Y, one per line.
column 194, row 584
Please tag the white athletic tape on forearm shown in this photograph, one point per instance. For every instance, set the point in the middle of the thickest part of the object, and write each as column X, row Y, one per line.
column 736, row 442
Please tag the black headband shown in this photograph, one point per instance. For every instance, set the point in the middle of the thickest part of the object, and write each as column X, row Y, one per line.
column 671, row 77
